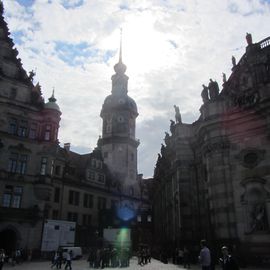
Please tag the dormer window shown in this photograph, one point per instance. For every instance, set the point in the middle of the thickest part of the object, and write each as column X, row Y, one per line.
column 47, row 134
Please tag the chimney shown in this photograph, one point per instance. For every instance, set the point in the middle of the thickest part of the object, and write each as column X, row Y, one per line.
column 67, row 146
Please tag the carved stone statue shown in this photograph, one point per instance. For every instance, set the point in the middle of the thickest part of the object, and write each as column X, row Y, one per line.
column 178, row 117
column 204, row 94
column 249, row 38
column 258, row 218
column 32, row 74
column 224, row 79
column 162, row 150
column 233, row 61
column 172, row 126
column 167, row 137
column 213, row 89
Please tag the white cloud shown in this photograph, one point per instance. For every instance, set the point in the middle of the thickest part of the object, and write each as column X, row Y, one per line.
column 170, row 47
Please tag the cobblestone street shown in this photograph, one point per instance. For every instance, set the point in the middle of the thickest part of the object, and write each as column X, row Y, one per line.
column 83, row 265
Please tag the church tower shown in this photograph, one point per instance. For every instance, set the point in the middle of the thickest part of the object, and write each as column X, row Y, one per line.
column 119, row 145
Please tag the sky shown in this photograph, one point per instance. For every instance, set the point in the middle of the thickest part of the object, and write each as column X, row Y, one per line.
column 170, row 47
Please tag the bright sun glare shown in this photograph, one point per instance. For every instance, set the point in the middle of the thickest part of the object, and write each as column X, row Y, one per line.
column 145, row 48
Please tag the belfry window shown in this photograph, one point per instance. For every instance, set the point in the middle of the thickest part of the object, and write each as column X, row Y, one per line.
column 47, row 134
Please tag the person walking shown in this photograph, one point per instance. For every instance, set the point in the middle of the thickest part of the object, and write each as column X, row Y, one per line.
column 2, row 258
column 205, row 256
column 68, row 260
column 227, row 261
column 186, row 258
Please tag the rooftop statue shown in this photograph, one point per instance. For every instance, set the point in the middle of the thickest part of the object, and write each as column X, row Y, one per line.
column 32, row 74
column 224, row 79
column 178, row 118
column 204, row 94
column 166, row 139
column 233, row 61
column 213, row 89
column 249, row 38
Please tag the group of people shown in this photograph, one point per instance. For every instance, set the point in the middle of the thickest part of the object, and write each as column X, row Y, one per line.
column 109, row 257
column 227, row 261
column 182, row 256
column 14, row 257
column 144, row 256
column 58, row 259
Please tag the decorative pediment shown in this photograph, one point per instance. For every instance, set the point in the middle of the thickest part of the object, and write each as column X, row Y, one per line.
column 20, row 148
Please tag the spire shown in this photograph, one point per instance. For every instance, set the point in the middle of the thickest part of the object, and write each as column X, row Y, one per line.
column 120, row 68
column 120, row 52
column 52, row 98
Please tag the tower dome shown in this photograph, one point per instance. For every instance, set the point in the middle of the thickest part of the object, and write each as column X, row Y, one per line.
column 51, row 104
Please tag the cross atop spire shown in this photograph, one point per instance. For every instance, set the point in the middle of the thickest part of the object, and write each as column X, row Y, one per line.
column 120, row 67
column 120, row 52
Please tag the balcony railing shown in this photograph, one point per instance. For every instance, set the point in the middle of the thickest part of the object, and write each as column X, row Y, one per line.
column 264, row 43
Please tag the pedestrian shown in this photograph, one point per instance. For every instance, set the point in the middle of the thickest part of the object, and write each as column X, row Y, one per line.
column 2, row 258
column 186, row 258
column 69, row 260
column 227, row 261
column 205, row 256
column 54, row 259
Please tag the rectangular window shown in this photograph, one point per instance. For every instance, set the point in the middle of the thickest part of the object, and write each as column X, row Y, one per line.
column 57, row 195
column 43, row 165
column 72, row 216
column 87, row 220
column 47, row 134
column 74, row 197
column 88, row 200
column 94, row 163
column 12, row 163
column 33, row 131
column 90, row 175
column 6, row 200
column 55, row 214
column 13, row 126
column 22, row 163
column 16, row 202
column 22, row 131
column 101, row 178
column 12, row 196
column 101, row 203
column 57, row 170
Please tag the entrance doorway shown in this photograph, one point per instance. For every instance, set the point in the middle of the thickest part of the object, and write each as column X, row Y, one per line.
column 8, row 240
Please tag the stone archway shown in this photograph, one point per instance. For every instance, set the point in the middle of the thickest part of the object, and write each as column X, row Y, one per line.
column 8, row 240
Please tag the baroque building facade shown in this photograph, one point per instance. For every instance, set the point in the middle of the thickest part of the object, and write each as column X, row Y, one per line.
column 40, row 180
column 212, row 177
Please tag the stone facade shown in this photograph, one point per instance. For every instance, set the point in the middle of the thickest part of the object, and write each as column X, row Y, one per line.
column 40, row 180
column 212, row 178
